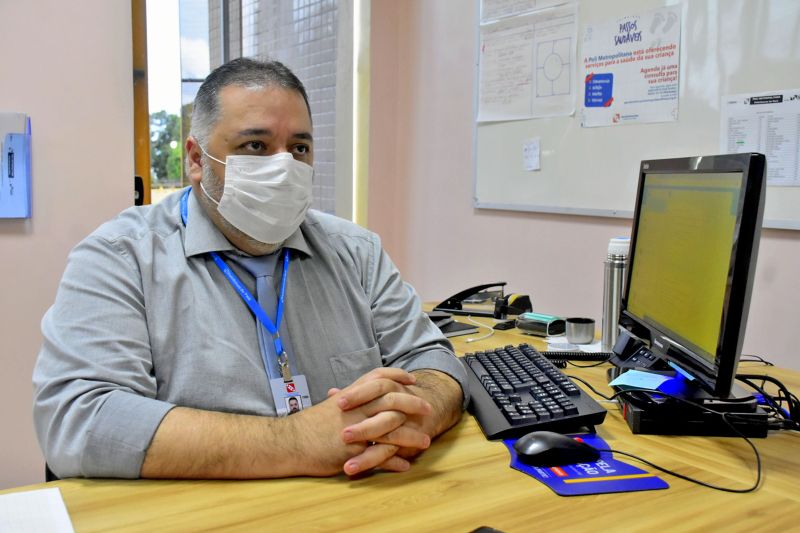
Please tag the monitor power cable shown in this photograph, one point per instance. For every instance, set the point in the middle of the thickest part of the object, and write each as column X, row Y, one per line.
column 726, row 417
column 787, row 418
column 750, row 358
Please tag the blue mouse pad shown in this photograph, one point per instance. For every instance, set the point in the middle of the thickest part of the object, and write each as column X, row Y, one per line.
column 603, row 476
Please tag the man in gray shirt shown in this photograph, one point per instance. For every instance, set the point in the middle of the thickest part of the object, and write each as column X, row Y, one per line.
column 158, row 362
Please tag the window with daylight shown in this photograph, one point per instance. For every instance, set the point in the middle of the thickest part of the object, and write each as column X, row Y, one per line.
column 303, row 34
column 189, row 38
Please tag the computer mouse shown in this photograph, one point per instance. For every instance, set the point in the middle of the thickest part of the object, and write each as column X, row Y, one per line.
column 545, row 448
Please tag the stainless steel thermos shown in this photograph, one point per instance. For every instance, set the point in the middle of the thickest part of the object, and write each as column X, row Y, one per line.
column 614, row 281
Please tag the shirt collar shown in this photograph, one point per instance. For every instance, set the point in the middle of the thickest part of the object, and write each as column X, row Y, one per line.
column 201, row 236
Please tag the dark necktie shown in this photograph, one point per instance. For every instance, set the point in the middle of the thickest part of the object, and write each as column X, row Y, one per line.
column 263, row 268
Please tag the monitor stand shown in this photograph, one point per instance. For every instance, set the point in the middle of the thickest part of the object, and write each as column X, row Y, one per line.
column 675, row 417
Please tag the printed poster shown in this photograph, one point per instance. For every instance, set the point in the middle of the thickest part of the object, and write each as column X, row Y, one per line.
column 527, row 66
column 630, row 69
column 496, row 9
column 768, row 123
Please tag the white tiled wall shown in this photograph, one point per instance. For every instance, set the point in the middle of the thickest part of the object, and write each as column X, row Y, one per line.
column 303, row 35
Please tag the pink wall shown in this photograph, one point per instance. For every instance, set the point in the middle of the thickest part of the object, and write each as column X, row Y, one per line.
column 421, row 180
column 68, row 65
column 74, row 79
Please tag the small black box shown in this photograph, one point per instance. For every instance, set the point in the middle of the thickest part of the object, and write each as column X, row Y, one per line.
column 688, row 420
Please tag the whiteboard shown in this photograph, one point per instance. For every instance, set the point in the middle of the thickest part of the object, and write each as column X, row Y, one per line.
column 727, row 47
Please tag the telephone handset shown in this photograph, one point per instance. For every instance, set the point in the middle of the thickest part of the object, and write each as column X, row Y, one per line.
column 504, row 305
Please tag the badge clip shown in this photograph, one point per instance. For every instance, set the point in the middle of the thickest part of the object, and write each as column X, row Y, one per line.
column 283, row 361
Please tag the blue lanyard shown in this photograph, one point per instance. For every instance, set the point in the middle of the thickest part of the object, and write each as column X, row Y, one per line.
column 247, row 296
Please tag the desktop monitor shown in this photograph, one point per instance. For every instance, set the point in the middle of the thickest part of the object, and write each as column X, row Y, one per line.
column 694, row 245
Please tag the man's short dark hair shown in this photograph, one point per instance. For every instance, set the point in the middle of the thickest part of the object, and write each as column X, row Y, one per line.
column 244, row 72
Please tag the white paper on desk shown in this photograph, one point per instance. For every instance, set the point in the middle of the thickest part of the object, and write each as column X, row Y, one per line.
column 593, row 347
column 33, row 511
column 561, row 343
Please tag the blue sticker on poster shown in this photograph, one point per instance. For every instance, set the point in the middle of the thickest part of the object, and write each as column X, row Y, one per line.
column 599, row 90
column 606, row 475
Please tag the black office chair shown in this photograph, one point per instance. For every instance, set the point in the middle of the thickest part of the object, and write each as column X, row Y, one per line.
column 49, row 475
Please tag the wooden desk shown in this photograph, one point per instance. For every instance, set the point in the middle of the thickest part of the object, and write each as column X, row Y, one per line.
column 463, row 481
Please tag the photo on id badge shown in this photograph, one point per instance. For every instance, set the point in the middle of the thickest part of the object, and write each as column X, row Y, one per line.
column 294, row 404
column 291, row 396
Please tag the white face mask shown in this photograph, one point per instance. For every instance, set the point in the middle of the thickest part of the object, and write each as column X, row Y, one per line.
column 265, row 197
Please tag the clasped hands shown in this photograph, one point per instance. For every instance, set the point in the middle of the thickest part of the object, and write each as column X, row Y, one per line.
column 382, row 421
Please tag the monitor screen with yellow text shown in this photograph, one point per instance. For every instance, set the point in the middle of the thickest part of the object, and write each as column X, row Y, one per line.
column 685, row 240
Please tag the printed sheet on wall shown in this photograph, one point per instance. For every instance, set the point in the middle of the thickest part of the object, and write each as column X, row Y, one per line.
column 631, row 68
column 768, row 123
column 527, row 60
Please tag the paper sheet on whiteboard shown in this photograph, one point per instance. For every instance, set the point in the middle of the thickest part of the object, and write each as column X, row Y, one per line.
column 768, row 123
column 527, row 66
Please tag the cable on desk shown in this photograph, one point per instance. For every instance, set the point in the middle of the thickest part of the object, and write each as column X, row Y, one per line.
column 473, row 339
column 576, row 378
column 605, row 399
column 697, row 481
column 725, row 418
column 561, row 358
column 586, row 366
column 750, row 358
column 785, row 418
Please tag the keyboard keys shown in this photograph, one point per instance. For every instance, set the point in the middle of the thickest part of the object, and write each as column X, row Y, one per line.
column 527, row 392
column 524, row 385
column 570, row 409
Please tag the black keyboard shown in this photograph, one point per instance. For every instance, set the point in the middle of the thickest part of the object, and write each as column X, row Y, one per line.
column 515, row 390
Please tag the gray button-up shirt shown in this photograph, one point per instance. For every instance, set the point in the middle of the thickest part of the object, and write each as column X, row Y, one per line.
column 144, row 320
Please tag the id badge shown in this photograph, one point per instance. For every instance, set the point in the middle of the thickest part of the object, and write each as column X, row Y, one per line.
column 290, row 396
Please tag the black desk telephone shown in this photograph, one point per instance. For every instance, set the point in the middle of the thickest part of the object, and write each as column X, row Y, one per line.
column 504, row 305
column 630, row 352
